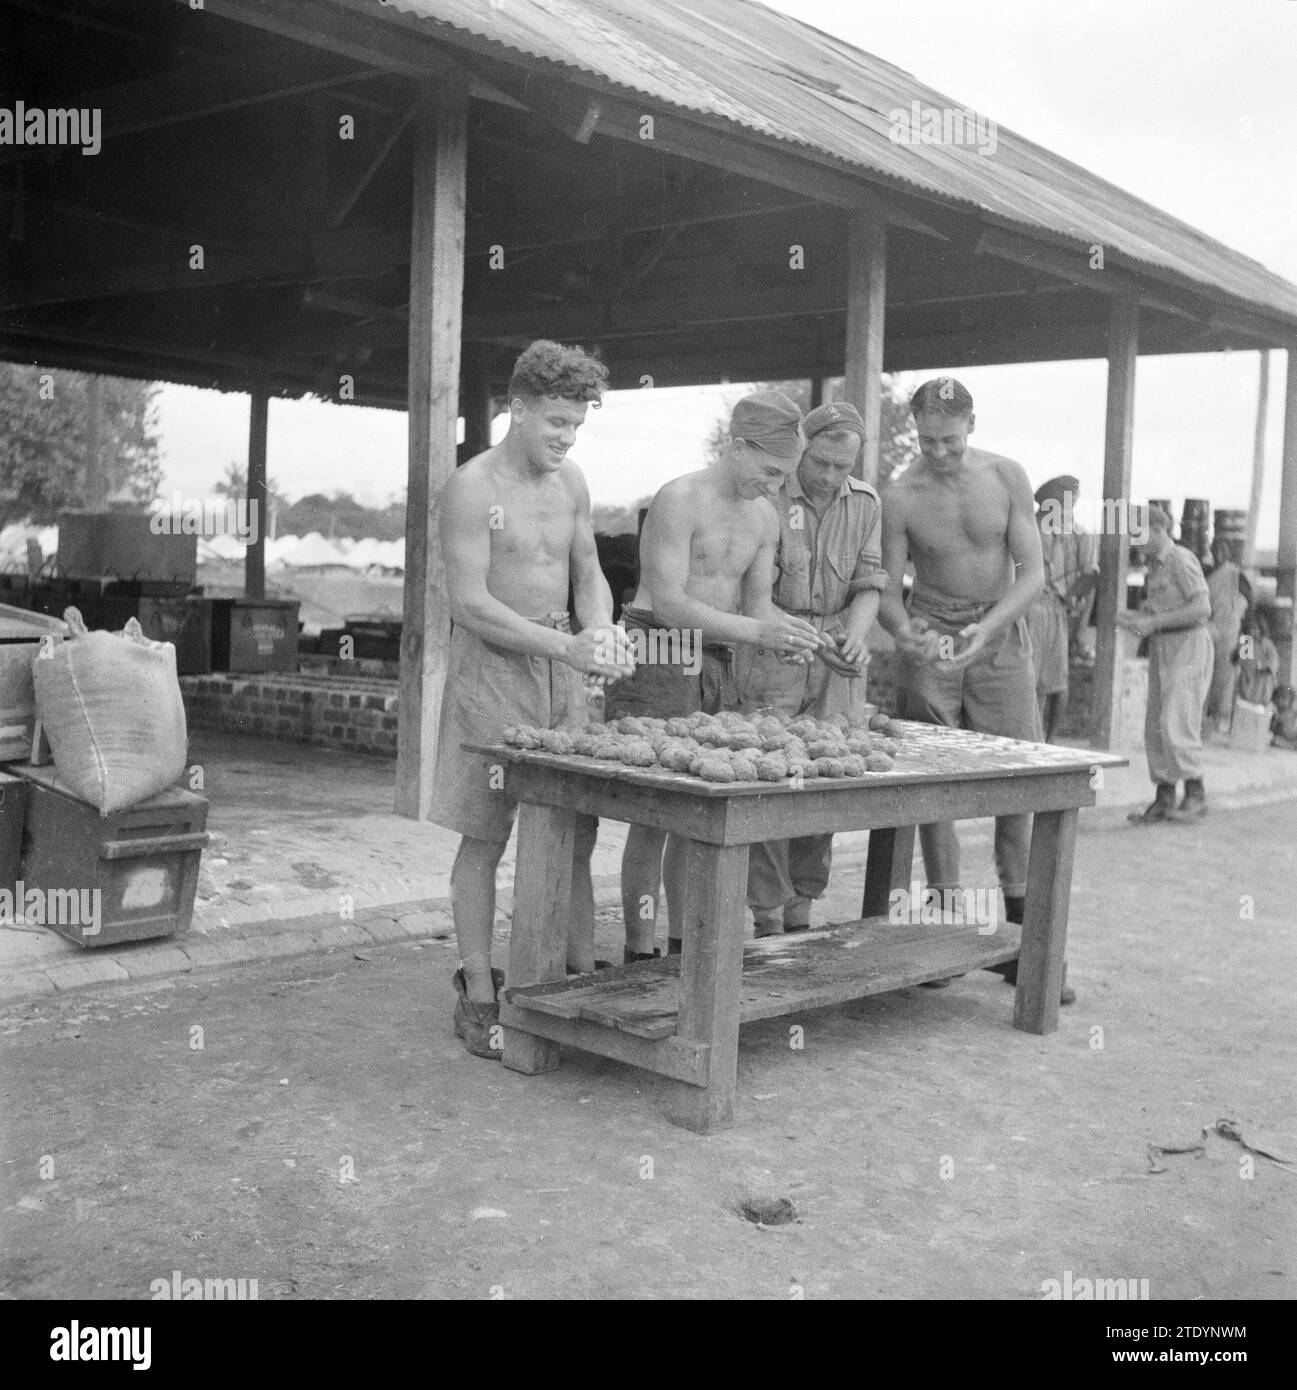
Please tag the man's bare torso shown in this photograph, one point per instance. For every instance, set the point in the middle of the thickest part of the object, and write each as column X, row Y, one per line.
column 957, row 528
column 725, row 537
column 531, row 524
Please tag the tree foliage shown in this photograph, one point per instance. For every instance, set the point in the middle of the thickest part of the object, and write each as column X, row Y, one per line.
column 47, row 439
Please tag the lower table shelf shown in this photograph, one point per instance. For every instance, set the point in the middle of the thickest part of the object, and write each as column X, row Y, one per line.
column 781, row 975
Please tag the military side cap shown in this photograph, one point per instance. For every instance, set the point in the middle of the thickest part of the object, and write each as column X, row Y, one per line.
column 772, row 422
column 834, row 415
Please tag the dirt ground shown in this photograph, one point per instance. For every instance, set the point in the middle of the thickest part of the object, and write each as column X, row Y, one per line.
column 331, row 1139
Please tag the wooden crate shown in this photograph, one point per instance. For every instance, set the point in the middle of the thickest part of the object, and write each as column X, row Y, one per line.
column 142, row 863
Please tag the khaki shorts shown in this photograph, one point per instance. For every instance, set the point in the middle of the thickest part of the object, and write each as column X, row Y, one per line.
column 996, row 694
column 486, row 688
column 1047, row 624
column 667, row 690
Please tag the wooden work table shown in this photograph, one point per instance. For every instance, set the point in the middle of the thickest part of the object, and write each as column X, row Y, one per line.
column 679, row 1016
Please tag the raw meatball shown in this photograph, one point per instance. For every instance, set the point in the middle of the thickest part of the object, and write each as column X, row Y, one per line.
column 879, row 722
column 730, row 718
column 712, row 735
column 631, row 725
column 715, row 770
column 676, row 758
column 678, row 728
column 853, row 765
column 890, row 746
column 768, row 725
column 638, row 752
column 879, row 762
column 564, row 742
column 585, row 742
column 774, row 743
column 745, row 769
column 654, row 726
column 772, row 767
column 839, row 722
column 608, row 747
column 743, row 736
column 858, row 745
column 510, row 734
column 804, row 728
column 826, row 748
column 829, row 767
column 697, row 719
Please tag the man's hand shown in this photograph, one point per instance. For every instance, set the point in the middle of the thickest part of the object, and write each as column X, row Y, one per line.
column 601, row 651
column 1141, row 624
column 917, row 640
column 788, row 635
column 833, row 659
column 853, row 648
column 975, row 637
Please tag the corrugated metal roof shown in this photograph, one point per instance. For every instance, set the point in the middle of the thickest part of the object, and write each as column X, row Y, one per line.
column 786, row 82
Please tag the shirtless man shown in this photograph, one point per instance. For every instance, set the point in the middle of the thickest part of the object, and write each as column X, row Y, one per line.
column 965, row 518
column 515, row 525
column 707, row 551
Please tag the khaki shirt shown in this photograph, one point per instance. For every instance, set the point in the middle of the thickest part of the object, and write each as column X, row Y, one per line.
column 825, row 560
column 1175, row 581
column 1067, row 557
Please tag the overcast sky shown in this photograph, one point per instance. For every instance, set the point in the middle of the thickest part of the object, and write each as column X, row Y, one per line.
column 1188, row 103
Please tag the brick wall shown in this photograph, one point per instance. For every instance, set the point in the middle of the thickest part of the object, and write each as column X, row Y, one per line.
column 358, row 714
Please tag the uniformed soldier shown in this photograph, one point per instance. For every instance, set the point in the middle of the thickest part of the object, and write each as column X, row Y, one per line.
column 830, row 573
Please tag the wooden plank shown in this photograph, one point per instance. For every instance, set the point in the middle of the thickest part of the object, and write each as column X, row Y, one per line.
column 782, row 975
column 668, row 1056
column 254, row 556
column 1119, row 432
column 1287, row 556
column 436, row 310
column 889, row 865
column 538, row 939
column 866, row 310
column 710, row 970
column 1044, row 934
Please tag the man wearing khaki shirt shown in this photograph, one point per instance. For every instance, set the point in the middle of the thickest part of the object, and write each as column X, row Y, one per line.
column 830, row 573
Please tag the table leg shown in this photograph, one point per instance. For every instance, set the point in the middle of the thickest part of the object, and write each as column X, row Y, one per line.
column 889, row 865
column 542, row 891
column 1044, row 933
column 711, row 971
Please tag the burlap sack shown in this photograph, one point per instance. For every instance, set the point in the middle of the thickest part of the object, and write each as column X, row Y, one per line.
column 112, row 711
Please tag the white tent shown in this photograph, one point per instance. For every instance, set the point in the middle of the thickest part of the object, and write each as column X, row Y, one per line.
column 315, row 551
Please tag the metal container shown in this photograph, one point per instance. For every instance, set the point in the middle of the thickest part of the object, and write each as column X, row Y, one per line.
column 127, row 876
column 184, row 621
column 254, row 635
column 124, row 544
column 1231, row 529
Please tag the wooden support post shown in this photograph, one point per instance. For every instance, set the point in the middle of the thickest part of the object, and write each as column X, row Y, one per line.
column 1044, row 934
column 888, row 867
column 866, row 297
column 1287, row 559
column 1258, row 462
column 436, row 316
column 477, row 404
column 254, row 557
column 817, row 390
column 711, row 971
column 541, row 908
column 95, row 489
column 1119, row 434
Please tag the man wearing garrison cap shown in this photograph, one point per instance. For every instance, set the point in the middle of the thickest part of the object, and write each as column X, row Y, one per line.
column 1071, row 573
column 707, row 569
column 1174, row 617
column 829, row 572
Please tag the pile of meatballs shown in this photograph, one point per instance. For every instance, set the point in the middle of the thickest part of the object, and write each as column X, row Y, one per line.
column 729, row 747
